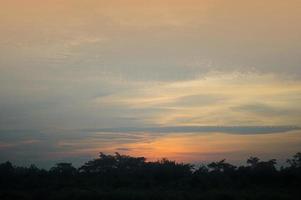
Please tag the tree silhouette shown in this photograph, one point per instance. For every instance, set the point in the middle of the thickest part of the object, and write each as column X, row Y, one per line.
column 125, row 177
column 109, row 163
column 253, row 162
column 295, row 162
column 221, row 166
column 64, row 169
column 6, row 168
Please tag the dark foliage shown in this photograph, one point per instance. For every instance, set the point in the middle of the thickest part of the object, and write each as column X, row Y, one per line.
column 124, row 177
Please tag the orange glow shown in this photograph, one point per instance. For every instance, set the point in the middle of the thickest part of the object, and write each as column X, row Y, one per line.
column 197, row 147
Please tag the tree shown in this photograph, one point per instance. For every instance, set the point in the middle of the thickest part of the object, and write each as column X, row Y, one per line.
column 295, row 162
column 221, row 166
column 109, row 163
column 258, row 165
column 6, row 168
column 64, row 169
column 253, row 162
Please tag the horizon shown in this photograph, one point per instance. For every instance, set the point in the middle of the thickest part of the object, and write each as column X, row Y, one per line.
column 191, row 144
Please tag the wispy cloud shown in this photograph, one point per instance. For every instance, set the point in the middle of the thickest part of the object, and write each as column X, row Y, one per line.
column 191, row 144
column 243, row 130
column 215, row 99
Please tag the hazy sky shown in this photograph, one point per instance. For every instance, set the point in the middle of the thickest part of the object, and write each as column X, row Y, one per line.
column 75, row 64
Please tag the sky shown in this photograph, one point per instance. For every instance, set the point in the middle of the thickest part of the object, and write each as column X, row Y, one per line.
column 79, row 74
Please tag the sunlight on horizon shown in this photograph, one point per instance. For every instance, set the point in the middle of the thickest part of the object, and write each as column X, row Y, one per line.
column 205, row 147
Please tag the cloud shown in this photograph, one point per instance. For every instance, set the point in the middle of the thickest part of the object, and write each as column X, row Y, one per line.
column 123, row 149
column 214, row 99
column 243, row 130
column 76, row 64
column 267, row 110
column 191, row 144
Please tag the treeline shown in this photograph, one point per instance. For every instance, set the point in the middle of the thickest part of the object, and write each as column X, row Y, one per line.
column 125, row 177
